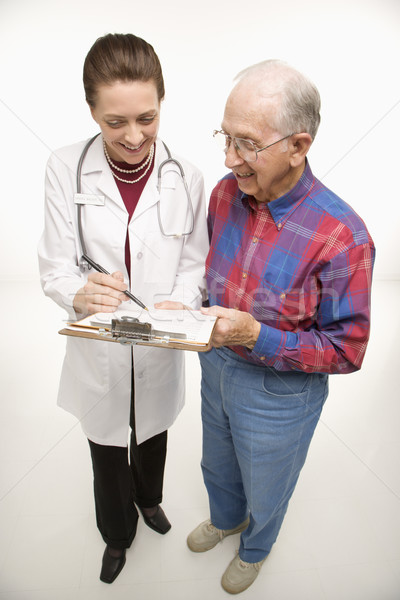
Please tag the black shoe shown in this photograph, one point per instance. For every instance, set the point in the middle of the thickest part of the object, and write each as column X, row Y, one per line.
column 158, row 521
column 111, row 566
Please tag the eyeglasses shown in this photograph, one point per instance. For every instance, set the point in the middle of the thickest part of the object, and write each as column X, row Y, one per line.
column 246, row 149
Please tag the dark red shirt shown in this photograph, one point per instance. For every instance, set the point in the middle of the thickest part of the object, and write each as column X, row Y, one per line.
column 130, row 194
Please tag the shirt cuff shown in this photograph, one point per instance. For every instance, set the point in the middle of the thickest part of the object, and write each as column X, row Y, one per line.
column 268, row 344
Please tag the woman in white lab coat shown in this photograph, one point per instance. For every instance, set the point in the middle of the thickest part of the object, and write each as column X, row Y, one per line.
column 100, row 383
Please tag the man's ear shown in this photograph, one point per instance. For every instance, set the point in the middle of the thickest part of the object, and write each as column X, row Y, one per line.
column 299, row 145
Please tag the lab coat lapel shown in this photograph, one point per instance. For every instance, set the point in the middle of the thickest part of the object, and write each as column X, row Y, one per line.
column 150, row 195
column 96, row 172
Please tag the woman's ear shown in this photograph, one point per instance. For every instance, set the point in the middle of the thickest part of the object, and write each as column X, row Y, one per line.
column 299, row 145
column 92, row 112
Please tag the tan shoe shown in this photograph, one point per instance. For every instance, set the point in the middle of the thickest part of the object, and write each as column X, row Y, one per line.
column 206, row 536
column 240, row 575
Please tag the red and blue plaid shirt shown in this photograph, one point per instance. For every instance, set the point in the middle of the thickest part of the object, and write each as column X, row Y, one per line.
column 302, row 266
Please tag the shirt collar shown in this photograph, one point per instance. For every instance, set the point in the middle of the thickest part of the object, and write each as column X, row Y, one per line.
column 283, row 206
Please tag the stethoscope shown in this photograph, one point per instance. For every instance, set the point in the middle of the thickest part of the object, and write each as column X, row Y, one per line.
column 86, row 262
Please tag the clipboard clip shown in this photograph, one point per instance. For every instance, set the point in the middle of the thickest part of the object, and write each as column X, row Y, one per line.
column 129, row 330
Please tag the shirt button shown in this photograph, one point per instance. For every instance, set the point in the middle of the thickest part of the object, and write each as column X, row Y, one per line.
column 262, row 357
column 282, row 296
column 255, row 240
column 244, row 275
column 279, row 226
column 139, row 255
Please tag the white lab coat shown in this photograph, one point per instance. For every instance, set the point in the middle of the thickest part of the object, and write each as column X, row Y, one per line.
column 96, row 376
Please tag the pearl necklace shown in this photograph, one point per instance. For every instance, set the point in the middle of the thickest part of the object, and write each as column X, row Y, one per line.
column 147, row 162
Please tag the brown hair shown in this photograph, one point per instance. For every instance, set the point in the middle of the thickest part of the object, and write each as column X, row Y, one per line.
column 120, row 57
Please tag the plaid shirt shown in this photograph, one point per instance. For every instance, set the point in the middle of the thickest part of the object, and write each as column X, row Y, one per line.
column 302, row 266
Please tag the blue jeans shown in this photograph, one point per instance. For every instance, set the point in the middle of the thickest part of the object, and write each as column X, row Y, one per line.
column 257, row 427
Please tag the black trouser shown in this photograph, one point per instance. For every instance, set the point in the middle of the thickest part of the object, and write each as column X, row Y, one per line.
column 119, row 483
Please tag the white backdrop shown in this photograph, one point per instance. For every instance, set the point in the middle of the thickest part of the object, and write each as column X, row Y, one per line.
column 349, row 48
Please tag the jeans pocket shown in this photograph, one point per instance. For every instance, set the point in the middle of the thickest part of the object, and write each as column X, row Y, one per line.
column 286, row 383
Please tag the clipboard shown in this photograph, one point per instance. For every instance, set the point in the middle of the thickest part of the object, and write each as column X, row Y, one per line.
column 177, row 330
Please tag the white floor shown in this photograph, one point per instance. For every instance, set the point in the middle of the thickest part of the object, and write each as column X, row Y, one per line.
column 341, row 536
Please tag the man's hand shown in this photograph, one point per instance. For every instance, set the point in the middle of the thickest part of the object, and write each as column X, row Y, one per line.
column 233, row 328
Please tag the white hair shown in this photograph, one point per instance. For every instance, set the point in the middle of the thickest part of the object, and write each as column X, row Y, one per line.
column 296, row 97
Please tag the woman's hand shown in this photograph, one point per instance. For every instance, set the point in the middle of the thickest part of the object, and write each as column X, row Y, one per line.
column 171, row 305
column 101, row 293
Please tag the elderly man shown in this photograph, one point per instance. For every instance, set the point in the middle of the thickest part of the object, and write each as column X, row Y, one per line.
column 289, row 276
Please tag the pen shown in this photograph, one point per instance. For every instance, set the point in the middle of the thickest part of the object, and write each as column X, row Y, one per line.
column 101, row 269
